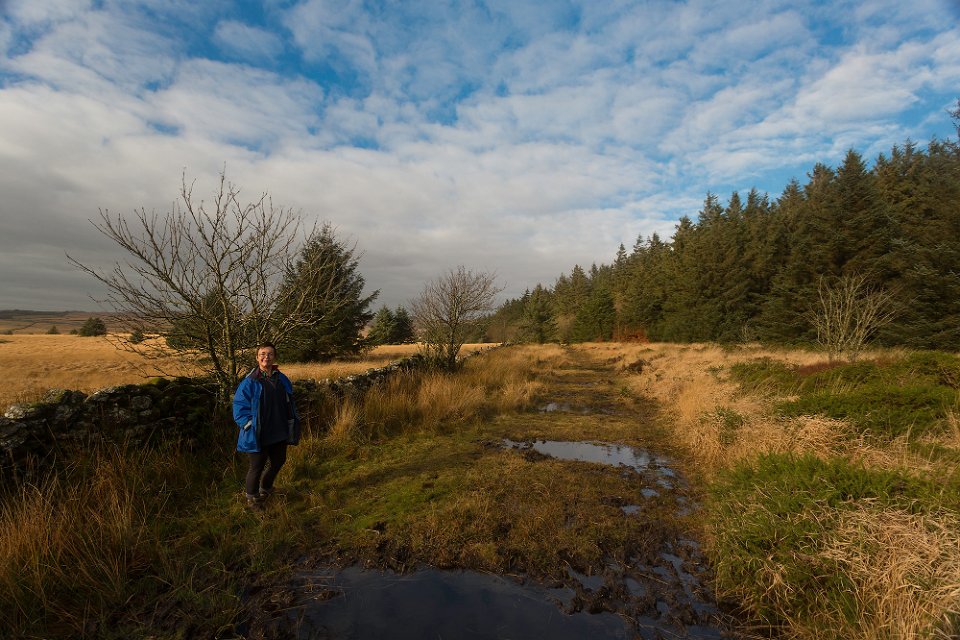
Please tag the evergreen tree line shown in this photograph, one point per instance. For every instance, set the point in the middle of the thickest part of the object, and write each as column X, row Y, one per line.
column 750, row 269
column 391, row 327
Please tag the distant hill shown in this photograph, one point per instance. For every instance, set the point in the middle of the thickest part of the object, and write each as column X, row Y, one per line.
column 29, row 321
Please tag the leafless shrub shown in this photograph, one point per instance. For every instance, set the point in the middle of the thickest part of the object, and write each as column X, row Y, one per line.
column 848, row 312
column 449, row 307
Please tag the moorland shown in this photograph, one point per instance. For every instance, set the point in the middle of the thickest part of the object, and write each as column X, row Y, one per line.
column 824, row 497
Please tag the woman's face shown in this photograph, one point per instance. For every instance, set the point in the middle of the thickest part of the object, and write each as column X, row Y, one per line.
column 265, row 358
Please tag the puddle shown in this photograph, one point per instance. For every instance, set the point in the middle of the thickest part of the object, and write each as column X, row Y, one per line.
column 616, row 455
column 357, row 604
column 661, row 595
column 361, row 604
column 563, row 407
column 590, row 583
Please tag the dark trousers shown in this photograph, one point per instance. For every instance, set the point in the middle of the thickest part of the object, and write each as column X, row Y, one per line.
column 257, row 478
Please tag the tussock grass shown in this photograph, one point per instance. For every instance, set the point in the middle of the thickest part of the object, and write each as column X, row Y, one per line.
column 905, row 568
column 835, row 486
column 346, row 422
column 707, row 414
column 825, row 548
column 85, row 552
column 435, row 402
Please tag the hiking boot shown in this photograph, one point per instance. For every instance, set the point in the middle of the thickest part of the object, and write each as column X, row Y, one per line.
column 265, row 493
column 254, row 503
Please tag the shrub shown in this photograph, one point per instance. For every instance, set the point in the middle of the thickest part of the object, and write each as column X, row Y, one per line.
column 765, row 375
column 880, row 408
column 93, row 327
column 53, row 331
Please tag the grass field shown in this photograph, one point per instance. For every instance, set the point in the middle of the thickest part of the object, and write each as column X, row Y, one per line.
column 36, row 362
column 831, row 499
column 34, row 322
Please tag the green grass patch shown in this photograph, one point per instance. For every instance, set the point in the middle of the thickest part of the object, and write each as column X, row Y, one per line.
column 889, row 397
column 770, row 516
column 879, row 408
column 456, row 500
column 766, row 376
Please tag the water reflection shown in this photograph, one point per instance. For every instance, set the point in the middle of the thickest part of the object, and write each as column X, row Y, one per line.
column 658, row 597
column 445, row 604
column 600, row 453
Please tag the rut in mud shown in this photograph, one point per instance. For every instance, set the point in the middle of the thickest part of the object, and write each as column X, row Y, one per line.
column 633, row 569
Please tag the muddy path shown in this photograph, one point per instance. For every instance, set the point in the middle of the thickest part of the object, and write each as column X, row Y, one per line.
column 587, row 529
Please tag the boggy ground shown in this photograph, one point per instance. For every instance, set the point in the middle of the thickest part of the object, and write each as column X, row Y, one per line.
column 614, row 539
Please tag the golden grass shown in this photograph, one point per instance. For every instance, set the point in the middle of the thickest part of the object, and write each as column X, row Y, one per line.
column 42, row 362
column 376, row 357
column 717, row 425
column 72, row 546
column 345, row 423
column 433, row 402
column 906, row 568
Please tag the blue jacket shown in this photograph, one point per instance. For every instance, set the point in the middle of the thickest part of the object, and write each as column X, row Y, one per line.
column 246, row 412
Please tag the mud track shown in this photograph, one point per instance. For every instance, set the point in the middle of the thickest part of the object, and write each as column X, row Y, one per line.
column 654, row 585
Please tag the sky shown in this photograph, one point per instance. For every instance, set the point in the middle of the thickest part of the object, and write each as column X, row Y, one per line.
column 519, row 137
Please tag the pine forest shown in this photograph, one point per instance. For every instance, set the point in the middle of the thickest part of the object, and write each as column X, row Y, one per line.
column 755, row 268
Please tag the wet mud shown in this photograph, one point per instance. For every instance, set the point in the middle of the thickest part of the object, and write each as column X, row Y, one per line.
column 663, row 594
column 660, row 590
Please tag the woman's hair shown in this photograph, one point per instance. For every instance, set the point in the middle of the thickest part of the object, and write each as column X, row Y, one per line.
column 264, row 345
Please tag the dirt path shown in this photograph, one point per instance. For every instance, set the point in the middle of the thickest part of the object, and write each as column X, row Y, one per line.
column 574, row 500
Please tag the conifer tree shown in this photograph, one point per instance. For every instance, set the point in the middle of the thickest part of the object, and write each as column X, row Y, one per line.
column 539, row 323
column 339, row 310
column 383, row 327
column 93, row 326
column 865, row 229
column 402, row 327
column 596, row 318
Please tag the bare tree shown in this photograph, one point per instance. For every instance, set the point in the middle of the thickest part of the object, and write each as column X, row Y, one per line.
column 209, row 278
column 449, row 307
column 848, row 312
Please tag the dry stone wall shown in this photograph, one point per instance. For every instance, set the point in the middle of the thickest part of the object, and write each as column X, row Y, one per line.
column 34, row 436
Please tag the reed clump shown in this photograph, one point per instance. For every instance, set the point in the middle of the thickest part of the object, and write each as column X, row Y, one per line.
column 94, row 550
column 432, row 401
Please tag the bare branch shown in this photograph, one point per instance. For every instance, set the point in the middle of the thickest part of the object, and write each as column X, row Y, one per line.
column 449, row 307
column 206, row 276
column 848, row 313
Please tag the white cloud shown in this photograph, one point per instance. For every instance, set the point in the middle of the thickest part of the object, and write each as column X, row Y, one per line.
column 41, row 13
column 241, row 105
column 744, row 43
column 324, row 29
column 247, row 42
column 866, row 86
column 616, row 119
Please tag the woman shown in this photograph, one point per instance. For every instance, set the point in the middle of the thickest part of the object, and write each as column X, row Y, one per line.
column 264, row 410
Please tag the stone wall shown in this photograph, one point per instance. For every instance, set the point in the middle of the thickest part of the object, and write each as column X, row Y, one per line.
column 33, row 436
